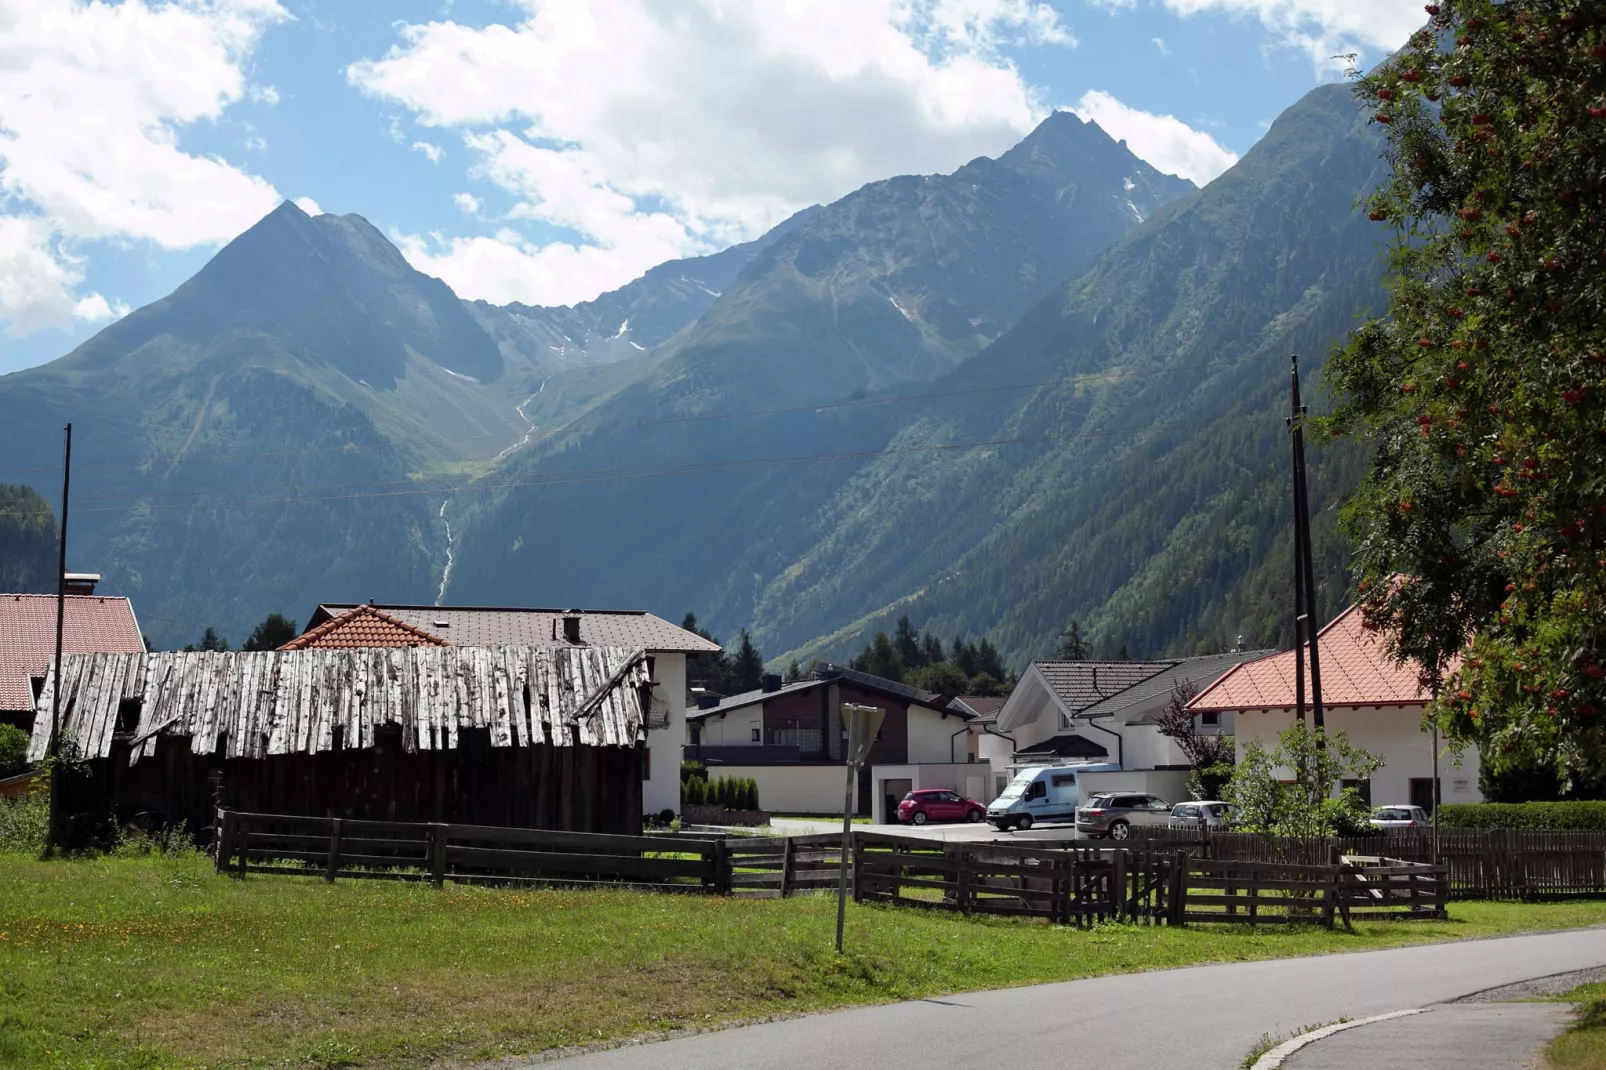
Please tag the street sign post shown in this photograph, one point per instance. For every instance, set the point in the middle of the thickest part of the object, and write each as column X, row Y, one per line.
column 861, row 724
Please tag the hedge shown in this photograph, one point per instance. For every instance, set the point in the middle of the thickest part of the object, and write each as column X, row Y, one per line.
column 731, row 793
column 1551, row 816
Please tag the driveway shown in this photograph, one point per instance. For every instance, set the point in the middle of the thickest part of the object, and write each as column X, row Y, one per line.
column 1204, row 1017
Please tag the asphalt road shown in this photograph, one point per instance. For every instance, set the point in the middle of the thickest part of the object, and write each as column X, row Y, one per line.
column 1204, row 1017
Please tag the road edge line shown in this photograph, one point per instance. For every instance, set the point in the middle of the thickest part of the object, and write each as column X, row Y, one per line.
column 1273, row 1059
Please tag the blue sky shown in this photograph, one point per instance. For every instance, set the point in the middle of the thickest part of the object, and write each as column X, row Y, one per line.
column 544, row 150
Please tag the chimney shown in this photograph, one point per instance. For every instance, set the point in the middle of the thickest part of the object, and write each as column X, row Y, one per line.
column 571, row 626
column 80, row 582
column 770, row 682
column 1240, row 644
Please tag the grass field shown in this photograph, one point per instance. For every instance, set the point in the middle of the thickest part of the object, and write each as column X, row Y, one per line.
column 1583, row 1046
column 156, row 961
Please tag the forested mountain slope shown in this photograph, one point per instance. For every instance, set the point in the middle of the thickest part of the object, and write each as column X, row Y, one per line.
column 1138, row 484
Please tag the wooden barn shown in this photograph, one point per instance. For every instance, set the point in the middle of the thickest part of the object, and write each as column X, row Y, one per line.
column 527, row 737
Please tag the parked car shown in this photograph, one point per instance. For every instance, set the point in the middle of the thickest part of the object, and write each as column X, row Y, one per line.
column 1115, row 813
column 1207, row 813
column 1399, row 817
column 938, row 804
column 1042, row 793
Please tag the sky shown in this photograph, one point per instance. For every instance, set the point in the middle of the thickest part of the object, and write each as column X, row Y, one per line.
column 545, row 151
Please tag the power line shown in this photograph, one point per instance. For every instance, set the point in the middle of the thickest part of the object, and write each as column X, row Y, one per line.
column 688, row 468
column 1107, row 376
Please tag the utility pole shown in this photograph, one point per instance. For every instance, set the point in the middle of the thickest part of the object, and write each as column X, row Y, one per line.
column 61, row 619
column 1305, row 623
column 862, row 724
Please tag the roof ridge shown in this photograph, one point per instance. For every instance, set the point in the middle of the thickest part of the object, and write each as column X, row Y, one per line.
column 307, row 638
column 486, row 609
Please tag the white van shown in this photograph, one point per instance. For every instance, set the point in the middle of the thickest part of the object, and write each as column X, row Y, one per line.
column 1041, row 793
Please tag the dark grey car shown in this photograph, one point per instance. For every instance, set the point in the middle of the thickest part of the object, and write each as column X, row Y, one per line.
column 1114, row 813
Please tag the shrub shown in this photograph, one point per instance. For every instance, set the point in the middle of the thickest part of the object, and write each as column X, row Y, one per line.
column 1531, row 815
column 693, row 771
column 693, row 791
column 13, row 750
column 25, row 822
column 752, row 795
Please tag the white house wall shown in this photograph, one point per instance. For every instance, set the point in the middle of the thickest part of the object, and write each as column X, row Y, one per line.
column 930, row 734
column 1394, row 734
column 812, row 788
column 661, row 790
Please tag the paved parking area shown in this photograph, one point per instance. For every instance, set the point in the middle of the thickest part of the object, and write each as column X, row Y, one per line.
column 958, row 831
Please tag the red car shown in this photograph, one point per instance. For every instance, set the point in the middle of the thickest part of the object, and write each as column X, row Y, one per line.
column 938, row 804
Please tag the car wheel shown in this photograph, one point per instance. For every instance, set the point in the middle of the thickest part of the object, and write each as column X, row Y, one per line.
column 1002, row 826
column 1025, row 822
column 973, row 816
column 1120, row 830
column 919, row 818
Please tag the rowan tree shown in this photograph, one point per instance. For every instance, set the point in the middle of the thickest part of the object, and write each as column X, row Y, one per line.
column 1482, row 522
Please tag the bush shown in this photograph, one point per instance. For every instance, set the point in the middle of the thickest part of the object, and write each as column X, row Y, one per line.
column 13, row 750
column 752, row 795
column 693, row 771
column 25, row 822
column 1590, row 816
column 693, row 791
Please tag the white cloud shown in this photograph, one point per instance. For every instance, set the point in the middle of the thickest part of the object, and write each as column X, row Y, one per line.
column 1159, row 42
column 92, row 97
column 309, row 206
column 96, row 309
column 1323, row 28
column 1163, row 140
column 467, row 203
column 434, row 153
column 645, row 131
column 256, row 144
column 263, row 94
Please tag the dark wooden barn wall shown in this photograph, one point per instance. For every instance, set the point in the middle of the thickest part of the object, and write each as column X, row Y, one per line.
column 584, row 789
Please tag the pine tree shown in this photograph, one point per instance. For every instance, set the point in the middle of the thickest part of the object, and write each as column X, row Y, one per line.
column 747, row 668
column 210, row 641
column 271, row 634
column 1072, row 646
column 906, row 641
column 794, row 673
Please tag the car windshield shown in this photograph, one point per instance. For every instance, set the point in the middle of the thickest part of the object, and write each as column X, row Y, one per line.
column 909, row 796
column 1098, row 802
column 1394, row 813
column 1012, row 791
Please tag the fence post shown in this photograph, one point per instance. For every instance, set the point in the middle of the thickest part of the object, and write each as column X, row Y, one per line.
column 962, row 883
column 225, row 839
column 242, row 843
column 333, row 863
column 437, row 854
column 722, row 867
column 788, row 860
column 1179, row 886
column 1117, row 892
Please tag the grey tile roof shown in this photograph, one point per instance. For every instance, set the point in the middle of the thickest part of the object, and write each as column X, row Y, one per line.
column 1081, row 684
column 500, row 626
column 985, row 707
column 849, row 676
column 1065, row 745
column 1139, row 702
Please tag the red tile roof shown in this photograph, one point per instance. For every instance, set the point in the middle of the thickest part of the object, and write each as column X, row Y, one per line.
column 364, row 626
column 92, row 624
column 1356, row 671
column 505, row 626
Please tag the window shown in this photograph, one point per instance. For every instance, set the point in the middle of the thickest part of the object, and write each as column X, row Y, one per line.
column 758, row 735
column 1158, row 804
column 1064, row 780
column 1210, row 718
column 1038, row 790
column 1422, row 793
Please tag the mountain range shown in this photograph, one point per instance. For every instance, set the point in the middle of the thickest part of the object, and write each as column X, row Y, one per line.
column 1043, row 386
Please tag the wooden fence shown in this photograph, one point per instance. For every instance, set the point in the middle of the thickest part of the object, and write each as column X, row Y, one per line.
column 1480, row 863
column 337, row 847
column 1078, row 885
column 776, row 866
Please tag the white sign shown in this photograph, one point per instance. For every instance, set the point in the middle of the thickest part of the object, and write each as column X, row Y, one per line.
column 1461, row 785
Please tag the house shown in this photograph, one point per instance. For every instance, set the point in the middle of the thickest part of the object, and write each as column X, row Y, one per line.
column 28, row 639
column 789, row 738
column 333, row 625
column 1376, row 701
column 536, row 737
column 1064, row 712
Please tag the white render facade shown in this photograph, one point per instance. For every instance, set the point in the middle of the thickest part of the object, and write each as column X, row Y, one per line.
column 1396, row 734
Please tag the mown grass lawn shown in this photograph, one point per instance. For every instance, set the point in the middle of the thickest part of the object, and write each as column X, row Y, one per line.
column 157, row 961
column 1583, row 1045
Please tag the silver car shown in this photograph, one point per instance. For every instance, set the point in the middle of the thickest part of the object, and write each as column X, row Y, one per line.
column 1400, row 817
column 1204, row 814
column 1114, row 813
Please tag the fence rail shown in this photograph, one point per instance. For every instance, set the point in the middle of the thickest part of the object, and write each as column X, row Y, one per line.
column 1480, row 863
column 338, row 847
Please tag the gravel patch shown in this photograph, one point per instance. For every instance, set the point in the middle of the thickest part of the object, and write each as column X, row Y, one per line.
column 1538, row 987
